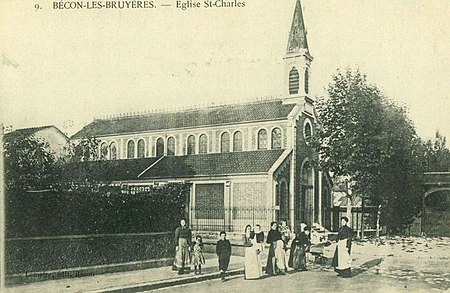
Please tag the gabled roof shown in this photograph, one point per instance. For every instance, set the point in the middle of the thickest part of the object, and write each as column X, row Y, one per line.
column 249, row 112
column 297, row 35
column 213, row 164
column 29, row 131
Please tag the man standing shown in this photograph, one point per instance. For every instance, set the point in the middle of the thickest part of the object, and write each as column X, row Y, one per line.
column 342, row 259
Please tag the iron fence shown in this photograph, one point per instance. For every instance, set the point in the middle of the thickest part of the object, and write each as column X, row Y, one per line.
column 230, row 219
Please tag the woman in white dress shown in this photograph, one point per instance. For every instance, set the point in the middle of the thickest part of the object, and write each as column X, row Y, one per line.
column 252, row 262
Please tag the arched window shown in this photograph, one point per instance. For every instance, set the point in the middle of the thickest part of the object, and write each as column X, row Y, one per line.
column 307, row 131
column 171, row 146
column 113, row 151
column 225, row 142
column 293, row 81
column 307, row 80
column 203, row 144
column 103, row 150
column 160, row 147
column 191, row 145
column 237, row 141
column 130, row 149
column 141, row 148
column 262, row 139
column 276, row 138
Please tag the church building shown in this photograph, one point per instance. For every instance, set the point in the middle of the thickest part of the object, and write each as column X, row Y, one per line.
column 246, row 163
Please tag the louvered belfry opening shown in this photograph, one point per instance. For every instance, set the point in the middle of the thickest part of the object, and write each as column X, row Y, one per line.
column 293, row 81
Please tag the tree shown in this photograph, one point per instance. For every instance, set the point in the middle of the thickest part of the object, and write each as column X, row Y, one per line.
column 29, row 163
column 82, row 166
column 369, row 139
column 83, row 150
column 399, row 183
column 350, row 129
column 437, row 155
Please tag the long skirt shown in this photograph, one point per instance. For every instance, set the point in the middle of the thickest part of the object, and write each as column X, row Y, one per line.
column 182, row 256
column 252, row 264
column 299, row 258
column 342, row 260
column 280, row 256
column 271, row 267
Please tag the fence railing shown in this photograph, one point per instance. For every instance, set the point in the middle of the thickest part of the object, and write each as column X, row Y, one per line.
column 230, row 219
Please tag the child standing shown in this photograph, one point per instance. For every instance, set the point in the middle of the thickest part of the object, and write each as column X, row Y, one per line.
column 223, row 251
column 259, row 235
column 197, row 256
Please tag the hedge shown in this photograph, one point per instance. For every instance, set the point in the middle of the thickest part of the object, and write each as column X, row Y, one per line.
column 83, row 212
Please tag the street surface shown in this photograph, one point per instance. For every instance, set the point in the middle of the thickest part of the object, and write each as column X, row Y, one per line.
column 306, row 282
column 400, row 264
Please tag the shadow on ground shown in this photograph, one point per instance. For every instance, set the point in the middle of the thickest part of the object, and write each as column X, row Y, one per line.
column 366, row 266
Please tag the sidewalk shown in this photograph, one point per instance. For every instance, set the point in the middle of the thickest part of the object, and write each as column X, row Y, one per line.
column 364, row 258
column 131, row 281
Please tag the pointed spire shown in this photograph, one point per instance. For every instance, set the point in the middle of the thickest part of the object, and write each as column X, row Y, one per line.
column 297, row 36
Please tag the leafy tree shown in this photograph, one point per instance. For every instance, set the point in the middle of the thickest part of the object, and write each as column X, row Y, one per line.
column 399, row 186
column 437, row 155
column 370, row 140
column 350, row 130
column 82, row 164
column 29, row 163
column 83, row 150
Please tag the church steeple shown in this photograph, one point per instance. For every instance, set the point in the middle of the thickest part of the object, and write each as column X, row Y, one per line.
column 297, row 36
column 297, row 59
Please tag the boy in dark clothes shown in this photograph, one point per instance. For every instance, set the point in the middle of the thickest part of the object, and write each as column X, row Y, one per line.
column 223, row 251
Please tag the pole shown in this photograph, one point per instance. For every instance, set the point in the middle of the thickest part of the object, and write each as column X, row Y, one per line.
column 362, row 217
column 2, row 213
column 349, row 204
column 378, row 222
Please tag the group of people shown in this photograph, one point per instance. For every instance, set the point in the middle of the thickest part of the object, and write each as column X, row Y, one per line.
column 184, row 258
column 280, row 240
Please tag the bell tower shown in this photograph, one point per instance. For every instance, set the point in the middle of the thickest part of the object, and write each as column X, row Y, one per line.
column 297, row 61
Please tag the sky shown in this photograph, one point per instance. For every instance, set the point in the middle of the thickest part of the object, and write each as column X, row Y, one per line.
column 67, row 67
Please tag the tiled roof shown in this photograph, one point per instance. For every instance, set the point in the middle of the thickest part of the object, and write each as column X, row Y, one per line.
column 172, row 167
column 213, row 164
column 106, row 170
column 256, row 111
column 27, row 132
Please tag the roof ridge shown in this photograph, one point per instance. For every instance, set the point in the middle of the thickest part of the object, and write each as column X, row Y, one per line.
column 35, row 127
column 197, row 107
column 29, row 130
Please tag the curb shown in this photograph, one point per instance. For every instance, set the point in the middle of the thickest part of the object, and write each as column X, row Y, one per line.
column 167, row 283
column 33, row 277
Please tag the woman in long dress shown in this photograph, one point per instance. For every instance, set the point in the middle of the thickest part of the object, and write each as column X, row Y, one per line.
column 272, row 237
column 252, row 262
column 297, row 258
column 183, row 238
column 342, row 260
